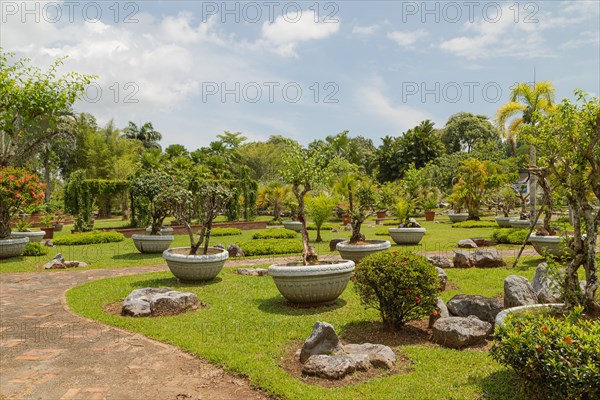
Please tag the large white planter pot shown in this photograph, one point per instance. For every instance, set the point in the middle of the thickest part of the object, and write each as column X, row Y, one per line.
column 34, row 236
column 202, row 267
column 293, row 225
column 523, row 223
column 458, row 217
column 407, row 235
column 12, row 247
column 357, row 252
column 312, row 284
column 503, row 222
column 533, row 308
column 152, row 243
column 163, row 231
column 554, row 246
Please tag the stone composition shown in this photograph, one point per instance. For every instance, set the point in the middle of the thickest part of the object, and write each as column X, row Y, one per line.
column 253, row 271
column 59, row 262
column 459, row 332
column 467, row 244
column 235, row 251
column 546, row 287
column 518, row 292
column 442, row 278
column 484, row 308
column 441, row 312
column 441, row 262
column 324, row 356
column 481, row 258
column 154, row 301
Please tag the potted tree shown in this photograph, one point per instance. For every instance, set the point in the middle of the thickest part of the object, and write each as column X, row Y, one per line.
column 384, row 199
column 413, row 190
column 320, row 208
column 47, row 226
column 58, row 222
column 311, row 281
column 18, row 189
column 361, row 199
column 429, row 207
column 22, row 229
column 507, row 199
column 185, row 262
column 151, row 191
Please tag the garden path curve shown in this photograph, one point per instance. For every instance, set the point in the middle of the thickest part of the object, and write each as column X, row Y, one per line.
column 47, row 352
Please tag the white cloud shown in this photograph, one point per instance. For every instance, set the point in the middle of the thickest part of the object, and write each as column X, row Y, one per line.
column 282, row 36
column 180, row 29
column 407, row 39
column 365, row 30
column 587, row 38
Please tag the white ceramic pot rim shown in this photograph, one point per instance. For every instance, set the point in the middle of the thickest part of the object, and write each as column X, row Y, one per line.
column 341, row 266
column 504, row 313
column 546, row 239
column 371, row 245
column 153, row 238
column 14, row 240
column 407, row 230
column 221, row 256
column 32, row 233
column 461, row 214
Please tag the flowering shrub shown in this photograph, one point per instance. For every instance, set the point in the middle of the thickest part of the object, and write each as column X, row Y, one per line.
column 403, row 286
column 18, row 189
column 559, row 358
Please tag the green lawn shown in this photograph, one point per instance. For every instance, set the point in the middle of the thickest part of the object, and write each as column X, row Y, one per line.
column 247, row 328
column 440, row 237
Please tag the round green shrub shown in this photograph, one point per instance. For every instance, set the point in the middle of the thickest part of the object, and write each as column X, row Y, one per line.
column 510, row 235
column 89, row 238
column 35, row 249
column 557, row 357
column 325, row 227
column 274, row 233
column 263, row 247
column 475, row 224
column 403, row 286
column 225, row 232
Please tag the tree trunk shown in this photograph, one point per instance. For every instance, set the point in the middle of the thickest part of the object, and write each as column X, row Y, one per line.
column 532, row 183
column 573, row 296
column 47, row 179
column 4, row 223
column 591, row 272
column 319, row 239
column 308, row 256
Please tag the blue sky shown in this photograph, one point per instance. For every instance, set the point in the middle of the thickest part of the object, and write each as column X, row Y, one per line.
column 306, row 69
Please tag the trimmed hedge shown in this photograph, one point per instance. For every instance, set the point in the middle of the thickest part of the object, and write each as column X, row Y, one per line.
column 225, row 232
column 557, row 358
column 475, row 224
column 324, row 227
column 89, row 238
column 382, row 232
column 35, row 249
column 271, row 246
column 274, row 233
column 510, row 235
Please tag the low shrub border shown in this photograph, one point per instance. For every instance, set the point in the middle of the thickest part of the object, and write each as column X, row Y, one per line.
column 510, row 235
column 89, row 238
column 225, row 232
column 260, row 247
column 274, row 233
column 475, row 224
column 35, row 249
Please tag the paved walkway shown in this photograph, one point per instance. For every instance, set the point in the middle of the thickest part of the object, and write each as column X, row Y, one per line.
column 47, row 352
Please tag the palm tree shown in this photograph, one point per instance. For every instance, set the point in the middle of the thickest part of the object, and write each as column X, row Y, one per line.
column 145, row 134
column 525, row 100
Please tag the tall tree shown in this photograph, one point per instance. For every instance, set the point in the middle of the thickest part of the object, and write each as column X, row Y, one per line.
column 145, row 134
column 525, row 101
column 464, row 130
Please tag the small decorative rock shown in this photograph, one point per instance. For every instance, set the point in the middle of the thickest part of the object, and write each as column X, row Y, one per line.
column 462, row 259
column 545, row 286
column 48, row 243
column 467, row 244
column 322, row 340
column 459, row 332
column 442, row 312
column 235, row 251
column 335, row 230
column 150, row 301
column 334, row 242
column 330, row 367
column 252, row 271
column 442, row 277
column 379, row 356
column 441, row 262
column 518, row 292
column 480, row 242
column 348, row 227
column 484, row 308
column 487, row 258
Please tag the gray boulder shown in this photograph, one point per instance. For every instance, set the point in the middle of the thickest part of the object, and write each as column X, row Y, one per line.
column 235, row 251
column 546, row 287
column 462, row 259
column 487, row 258
column 331, row 367
column 149, row 301
column 484, row 308
column 441, row 262
column 459, row 332
column 379, row 356
column 518, row 292
column 467, row 244
column 480, row 242
column 442, row 278
column 322, row 340
column 252, row 271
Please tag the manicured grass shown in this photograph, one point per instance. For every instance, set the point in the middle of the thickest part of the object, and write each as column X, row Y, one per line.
column 440, row 238
column 247, row 328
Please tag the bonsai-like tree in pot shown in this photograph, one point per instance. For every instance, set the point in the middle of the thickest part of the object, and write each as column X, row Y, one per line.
column 152, row 189
column 361, row 201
